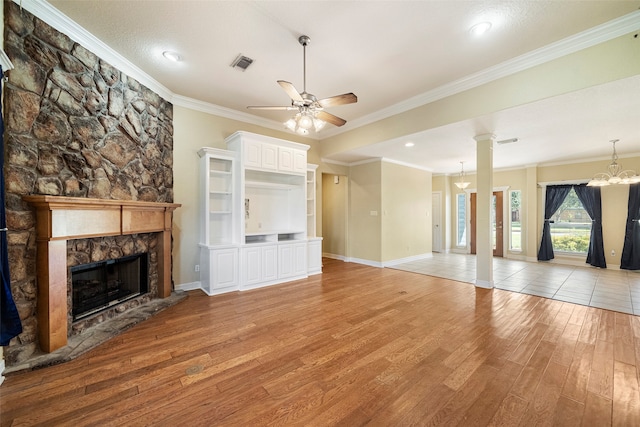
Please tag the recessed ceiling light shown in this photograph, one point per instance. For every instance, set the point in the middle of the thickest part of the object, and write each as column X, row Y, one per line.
column 172, row 56
column 480, row 28
column 409, row 144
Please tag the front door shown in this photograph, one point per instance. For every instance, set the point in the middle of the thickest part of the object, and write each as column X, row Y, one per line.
column 496, row 223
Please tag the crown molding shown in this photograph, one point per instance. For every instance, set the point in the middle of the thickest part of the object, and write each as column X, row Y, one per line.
column 596, row 35
column 75, row 32
column 585, row 39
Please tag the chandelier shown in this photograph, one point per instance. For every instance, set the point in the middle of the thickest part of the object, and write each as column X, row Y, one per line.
column 462, row 184
column 304, row 120
column 614, row 174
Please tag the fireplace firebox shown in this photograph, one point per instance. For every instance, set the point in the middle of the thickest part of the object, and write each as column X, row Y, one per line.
column 100, row 285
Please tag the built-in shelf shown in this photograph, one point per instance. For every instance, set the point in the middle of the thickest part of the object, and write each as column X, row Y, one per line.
column 272, row 185
column 257, row 197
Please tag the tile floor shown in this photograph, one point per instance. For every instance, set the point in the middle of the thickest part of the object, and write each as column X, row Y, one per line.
column 617, row 290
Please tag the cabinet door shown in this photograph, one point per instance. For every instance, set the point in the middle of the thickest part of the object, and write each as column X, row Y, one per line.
column 314, row 256
column 285, row 261
column 253, row 154
column 224, row 268
column 285, row 159
column 300, row 259
column 269, row 157
column 299, row 161
column 269, row 263
column 252, row 265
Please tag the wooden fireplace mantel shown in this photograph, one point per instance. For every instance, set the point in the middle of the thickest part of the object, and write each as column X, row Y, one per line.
column 59, row 219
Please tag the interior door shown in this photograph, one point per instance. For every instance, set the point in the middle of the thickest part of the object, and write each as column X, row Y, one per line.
column 436, row 215
column 496, row 223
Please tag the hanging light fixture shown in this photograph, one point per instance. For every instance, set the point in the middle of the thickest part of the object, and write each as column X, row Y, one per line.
column 304, row 120
column 614, row 174
column 461, row 184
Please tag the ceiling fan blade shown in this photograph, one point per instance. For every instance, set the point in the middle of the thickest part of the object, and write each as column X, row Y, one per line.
column 345, row 98
column 291, row 90
column 269, row 107
column 330, row 118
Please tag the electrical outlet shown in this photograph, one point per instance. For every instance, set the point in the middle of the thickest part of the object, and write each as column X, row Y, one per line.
column 613, row 252
column 197, row 267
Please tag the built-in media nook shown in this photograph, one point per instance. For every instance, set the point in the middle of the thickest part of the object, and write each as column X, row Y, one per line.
column 100, row 285
column 258, row 214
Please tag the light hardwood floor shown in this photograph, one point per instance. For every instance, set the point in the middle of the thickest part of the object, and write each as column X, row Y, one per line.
column 354, row 346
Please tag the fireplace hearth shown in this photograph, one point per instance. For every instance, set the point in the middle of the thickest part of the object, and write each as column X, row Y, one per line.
column 100, row 285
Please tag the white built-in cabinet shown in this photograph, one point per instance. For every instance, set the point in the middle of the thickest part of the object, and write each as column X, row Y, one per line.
column 256, row 214
column 314, row 245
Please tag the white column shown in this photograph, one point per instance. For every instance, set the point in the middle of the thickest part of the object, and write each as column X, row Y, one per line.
column 484, row 240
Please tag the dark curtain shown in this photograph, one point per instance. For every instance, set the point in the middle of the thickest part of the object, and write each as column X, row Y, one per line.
column 590, row 198
column 554, row 197
column 10, row 325
column 631, row 250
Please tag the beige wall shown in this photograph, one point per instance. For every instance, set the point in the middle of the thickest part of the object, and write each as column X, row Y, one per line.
column 334, row 215
column 406, row 212
column 365, row 205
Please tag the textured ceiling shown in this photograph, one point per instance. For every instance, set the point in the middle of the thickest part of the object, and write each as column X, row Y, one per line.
column 386, row 52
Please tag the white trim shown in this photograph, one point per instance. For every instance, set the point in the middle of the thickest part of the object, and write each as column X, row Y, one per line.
column 1, row 370
column 334, row 162
column 407, row 259
column 189, row 286
column 365, row 262
column 334, row 256
column 409, row 165
column 485, row 284
column 591, row 37
column 74, row 31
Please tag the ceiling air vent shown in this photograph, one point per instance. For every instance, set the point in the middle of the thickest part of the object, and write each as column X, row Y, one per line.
column 242, row 62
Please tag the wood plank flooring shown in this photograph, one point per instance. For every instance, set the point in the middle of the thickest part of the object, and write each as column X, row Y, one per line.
column 354, row 346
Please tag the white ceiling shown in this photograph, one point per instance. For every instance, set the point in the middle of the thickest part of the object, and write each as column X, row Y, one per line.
column 389, row 53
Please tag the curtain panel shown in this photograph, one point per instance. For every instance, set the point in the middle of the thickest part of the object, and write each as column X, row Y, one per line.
column 555, row 195
column 10, row 324
column 630, row 259
column 592, row 202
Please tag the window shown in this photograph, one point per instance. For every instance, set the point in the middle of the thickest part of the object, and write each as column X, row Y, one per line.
column 461, row 219
column 515, row 225
column 571, row 226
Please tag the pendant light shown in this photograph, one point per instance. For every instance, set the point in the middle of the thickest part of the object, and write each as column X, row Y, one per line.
column 462, row 184
column 614, row 173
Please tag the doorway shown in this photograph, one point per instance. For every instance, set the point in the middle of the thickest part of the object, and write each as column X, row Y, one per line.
column 334, row 215
column 496, row 223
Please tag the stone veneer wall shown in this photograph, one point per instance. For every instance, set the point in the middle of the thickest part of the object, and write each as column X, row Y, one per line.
column 74, row 126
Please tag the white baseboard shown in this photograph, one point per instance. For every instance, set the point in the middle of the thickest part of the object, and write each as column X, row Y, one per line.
column 334, row 256
column 365, row 262
column 407, row 259
column 1, row 371
column 189, row 286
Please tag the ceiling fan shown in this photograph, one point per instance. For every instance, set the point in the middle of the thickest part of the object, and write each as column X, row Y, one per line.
column 310, row 110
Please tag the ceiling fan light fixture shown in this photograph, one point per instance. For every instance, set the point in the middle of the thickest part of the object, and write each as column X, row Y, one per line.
column 318, row 124
column 305, row 121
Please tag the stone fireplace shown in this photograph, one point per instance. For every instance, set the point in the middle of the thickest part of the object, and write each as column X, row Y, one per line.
column 59, row 219
column 96, row 146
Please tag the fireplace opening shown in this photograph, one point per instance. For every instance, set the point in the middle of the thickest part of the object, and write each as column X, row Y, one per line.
column 100, row 285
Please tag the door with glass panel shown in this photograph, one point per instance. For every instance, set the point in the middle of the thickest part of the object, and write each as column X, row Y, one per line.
column 496, row 223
